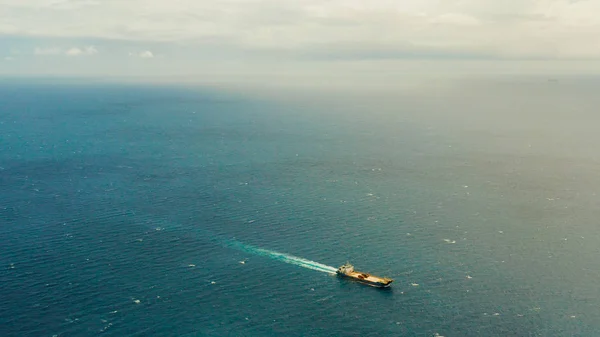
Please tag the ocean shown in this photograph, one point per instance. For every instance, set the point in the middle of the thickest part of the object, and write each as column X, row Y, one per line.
column 171, row 210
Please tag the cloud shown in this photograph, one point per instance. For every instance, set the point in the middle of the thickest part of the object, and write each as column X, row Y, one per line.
column 504, row 29
column 146, row 54
column 73, row 51
column 91, row 50
column 8, row 58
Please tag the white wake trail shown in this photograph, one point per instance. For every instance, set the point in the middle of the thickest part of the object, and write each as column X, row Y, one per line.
column 287, row 258
column 291, row 259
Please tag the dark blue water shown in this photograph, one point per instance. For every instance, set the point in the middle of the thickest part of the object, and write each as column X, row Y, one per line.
column 127, row 210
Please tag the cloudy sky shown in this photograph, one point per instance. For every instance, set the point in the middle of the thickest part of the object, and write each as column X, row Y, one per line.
column 177, row 37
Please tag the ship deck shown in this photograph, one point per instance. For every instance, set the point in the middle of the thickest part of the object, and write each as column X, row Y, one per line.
column 369, row 278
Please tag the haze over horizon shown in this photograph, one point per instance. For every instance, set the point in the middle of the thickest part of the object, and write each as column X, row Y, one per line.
column 306, row 40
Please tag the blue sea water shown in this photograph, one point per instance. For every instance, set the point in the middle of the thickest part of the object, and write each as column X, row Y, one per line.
column 127, row 210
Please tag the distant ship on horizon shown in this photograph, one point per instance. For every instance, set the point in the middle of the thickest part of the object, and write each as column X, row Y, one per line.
column 347, row 270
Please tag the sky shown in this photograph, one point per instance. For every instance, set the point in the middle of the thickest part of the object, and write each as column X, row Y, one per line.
column 220, row 38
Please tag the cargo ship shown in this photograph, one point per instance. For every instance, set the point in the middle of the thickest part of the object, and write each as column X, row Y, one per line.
column 348, row 271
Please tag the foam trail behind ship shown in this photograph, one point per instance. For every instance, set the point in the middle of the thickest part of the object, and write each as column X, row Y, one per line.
column 298, row 261
column 220, row 240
